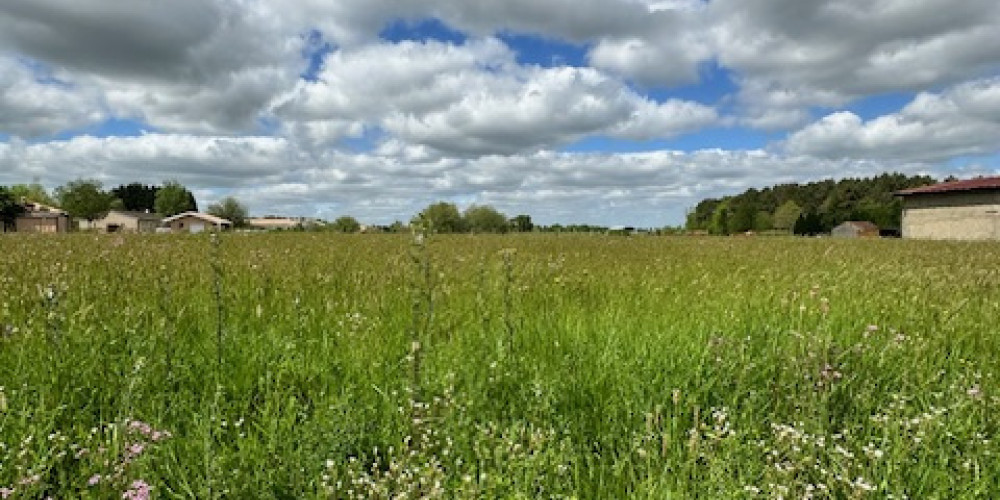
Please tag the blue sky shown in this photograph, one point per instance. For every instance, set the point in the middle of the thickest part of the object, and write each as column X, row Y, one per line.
column 627, row 112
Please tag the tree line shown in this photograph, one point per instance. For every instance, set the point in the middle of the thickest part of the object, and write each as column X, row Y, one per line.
column 812, row 208
column 87, row 199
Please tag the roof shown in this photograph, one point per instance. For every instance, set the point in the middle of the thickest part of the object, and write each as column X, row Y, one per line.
column 219, row 221
column 948, row 187
column 139, row 215
column 862, row 225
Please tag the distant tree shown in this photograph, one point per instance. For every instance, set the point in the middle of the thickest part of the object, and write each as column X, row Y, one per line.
column 522, row 224
column 346, row 224
column 441, row 217
column 809, row 224
column 231, row 209
column 720, row 224
column 137, row 197
column 485, row 219
column 763, row 221
column 742, row 218
column 173, row 198
column 398, row 227
column 786, row 215
column 10, row 209
column 85, row 199
column 32, row 192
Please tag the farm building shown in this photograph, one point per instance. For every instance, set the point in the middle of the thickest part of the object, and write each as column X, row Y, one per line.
column 855, row 229
column 39, row 218
column 959, row 210
column 119, row 221
column 195, row 222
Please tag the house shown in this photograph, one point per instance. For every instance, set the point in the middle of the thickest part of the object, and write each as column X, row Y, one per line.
column 196, row 222
column 39, row 218
column 120, row 221
column 959, row 210
column 855, row 229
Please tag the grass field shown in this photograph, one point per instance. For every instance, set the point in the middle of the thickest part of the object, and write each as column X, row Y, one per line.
column 535, row 366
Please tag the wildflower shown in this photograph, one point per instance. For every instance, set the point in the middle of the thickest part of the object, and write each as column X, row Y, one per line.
column 96, row 478
column 6, row 492
column 138, row 490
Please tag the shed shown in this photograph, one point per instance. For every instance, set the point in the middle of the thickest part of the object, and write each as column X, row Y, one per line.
column 39, row 218
column 855, row 229
column 958, row 210
column 196, row 222
column 120, row 221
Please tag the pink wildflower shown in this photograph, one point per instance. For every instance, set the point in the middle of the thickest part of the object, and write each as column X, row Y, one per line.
column 138, row 490
column 6, row 492
column 96, row 478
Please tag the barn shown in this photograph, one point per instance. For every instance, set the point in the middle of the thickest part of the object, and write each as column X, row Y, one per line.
column 958, row 210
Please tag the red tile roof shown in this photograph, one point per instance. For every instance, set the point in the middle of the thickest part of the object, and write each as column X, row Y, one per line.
column 947, row 187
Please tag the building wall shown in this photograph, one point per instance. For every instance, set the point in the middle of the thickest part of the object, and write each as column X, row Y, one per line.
column 53, row 224
column 125, row 223
column 952, row 216
column 186, row 224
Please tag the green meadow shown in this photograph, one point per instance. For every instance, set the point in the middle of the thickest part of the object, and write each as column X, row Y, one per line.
column 303, row 365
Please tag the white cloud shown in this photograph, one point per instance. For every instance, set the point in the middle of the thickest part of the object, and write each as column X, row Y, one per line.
column 33, row 103
column 964, row 120
column 473, row 100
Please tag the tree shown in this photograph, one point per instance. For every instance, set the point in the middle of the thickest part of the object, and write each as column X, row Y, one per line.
column 441, row 217
column 485, row 219
column 231, row 209
column 720, row 224
column 346, row 224
column 137, row 197
column 31, row 192
column 763, row 221
column 85, row 199
column 10, row 209
column 522, row 224
column 173, row 198
column 786, row 215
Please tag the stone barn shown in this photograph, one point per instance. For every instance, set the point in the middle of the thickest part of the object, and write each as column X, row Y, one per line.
column 959, row 210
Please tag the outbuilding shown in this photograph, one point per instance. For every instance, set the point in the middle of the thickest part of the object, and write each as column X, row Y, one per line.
column 40, row 218
column 855, row 229
column 196, row 222
column 121, row 221
column 958, row 210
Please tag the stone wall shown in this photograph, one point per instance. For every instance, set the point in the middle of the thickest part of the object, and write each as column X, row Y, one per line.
column 972, row 215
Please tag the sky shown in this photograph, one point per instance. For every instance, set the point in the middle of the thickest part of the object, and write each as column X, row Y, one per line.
column 611, row 112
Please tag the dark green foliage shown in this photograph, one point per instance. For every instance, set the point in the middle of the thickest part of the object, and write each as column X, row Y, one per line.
column 9, row 208
column 485, row 219
column 833, row 202
column 522, row 224
column 441, row 217
column 137, row 197
column 346, row 224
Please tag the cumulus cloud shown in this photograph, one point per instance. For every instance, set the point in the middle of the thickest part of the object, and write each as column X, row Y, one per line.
column 964, row 120
column 473, row 100
column 790, row 55
column 34, row 103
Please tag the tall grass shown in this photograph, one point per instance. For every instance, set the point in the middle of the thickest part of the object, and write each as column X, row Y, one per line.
column 352, row 366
